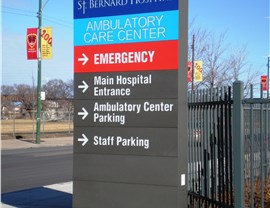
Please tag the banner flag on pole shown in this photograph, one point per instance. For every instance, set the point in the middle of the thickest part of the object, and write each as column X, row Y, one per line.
column 198, row 77
column 189, row 74
column 31, row 43
column 264, row 83
column 46, row 43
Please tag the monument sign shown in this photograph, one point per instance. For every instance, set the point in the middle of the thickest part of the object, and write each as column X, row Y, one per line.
column 130, row 103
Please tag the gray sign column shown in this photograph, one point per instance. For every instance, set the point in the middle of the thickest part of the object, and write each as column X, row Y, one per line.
column 130, row 108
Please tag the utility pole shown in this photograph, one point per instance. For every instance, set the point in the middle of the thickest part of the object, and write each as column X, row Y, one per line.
column 192, row 67
column 267, row 80
column 39, row 74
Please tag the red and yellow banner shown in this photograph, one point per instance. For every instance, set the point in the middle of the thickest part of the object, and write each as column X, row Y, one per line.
column 32, row 43
column 264, row 83
column 46, row 43
column 189, row 74
column 198, row 76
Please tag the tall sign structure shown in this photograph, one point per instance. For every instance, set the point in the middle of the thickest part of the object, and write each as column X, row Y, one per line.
column 39, row 46
column 130, row 103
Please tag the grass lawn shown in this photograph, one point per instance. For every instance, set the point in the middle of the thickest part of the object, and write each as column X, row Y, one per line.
column 29, row 126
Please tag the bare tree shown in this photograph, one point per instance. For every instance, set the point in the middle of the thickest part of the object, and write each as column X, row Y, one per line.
column 69, row 90
column 59, row 92
column 241, row 70
column 7, row 90
column 211, row 49
column 25, row 93
column 222, row 63
column 7, row 103
column 215, row 67
column 55, row 89
column 70, row 93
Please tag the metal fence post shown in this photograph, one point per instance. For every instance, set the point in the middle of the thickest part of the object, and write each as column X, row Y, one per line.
column 14, row 123
column 238, row 144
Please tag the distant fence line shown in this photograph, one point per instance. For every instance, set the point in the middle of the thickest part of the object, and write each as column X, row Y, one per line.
column 52, row 122
column 18, row 98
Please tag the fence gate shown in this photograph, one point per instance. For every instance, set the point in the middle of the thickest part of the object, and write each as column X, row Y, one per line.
column 210, row 148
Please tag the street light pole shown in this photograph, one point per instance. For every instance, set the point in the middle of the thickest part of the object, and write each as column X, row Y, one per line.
column 267, row 82
column 192, row 67
column 39, row 74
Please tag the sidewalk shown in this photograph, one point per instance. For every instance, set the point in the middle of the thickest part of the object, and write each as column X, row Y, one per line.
column 56, row 195
column 29, row 143
column 52, row 196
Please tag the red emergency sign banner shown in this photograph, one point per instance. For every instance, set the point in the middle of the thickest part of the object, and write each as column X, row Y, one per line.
column 31, row 43
column 264, row 83
column 126, row 57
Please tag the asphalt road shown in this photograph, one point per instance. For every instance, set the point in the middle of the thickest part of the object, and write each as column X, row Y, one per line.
column 35, row 167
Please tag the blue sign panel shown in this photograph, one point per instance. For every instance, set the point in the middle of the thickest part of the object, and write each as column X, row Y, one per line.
column 101, row 8
column 156, row 26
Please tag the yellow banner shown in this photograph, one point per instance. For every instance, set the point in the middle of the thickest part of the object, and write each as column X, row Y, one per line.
column 198, row 76
column 46, row 43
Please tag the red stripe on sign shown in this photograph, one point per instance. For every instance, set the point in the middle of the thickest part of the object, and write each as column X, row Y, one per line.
column 145, row 56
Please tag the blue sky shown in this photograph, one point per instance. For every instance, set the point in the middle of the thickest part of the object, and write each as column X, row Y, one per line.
column 244, row 20
column 17, row 16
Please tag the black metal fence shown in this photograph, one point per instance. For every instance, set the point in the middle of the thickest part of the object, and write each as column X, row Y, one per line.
column 229, row 153
column 210, row 148
column 257, row 151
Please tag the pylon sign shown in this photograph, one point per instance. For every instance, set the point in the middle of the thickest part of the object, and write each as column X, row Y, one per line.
column 126, row 127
